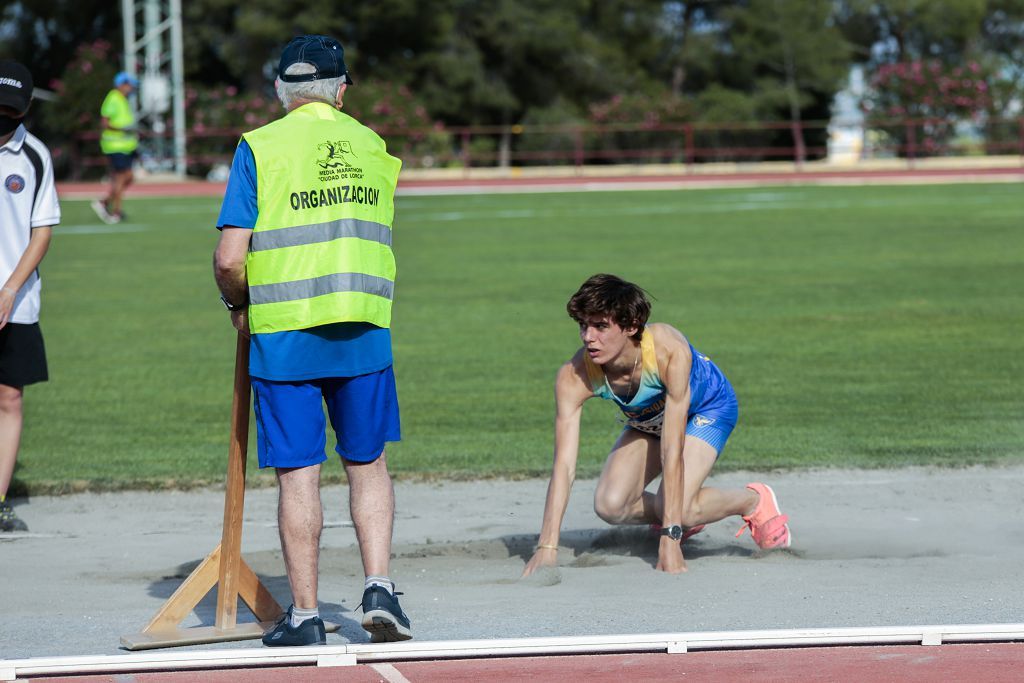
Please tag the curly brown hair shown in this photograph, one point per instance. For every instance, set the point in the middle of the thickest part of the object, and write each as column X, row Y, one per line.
column 609, row 295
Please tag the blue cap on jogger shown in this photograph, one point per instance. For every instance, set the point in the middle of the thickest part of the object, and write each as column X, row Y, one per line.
column 123, row 77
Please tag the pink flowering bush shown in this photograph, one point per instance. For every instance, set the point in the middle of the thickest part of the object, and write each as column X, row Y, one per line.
column 649, row 111
column 217, row 116
column 935, row 95
column 80, row 90
column 653, row 121
column 628, row 128
column 223, row 108
column 400, row 118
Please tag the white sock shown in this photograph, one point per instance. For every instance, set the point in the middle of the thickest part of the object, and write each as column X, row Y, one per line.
column 301, row 615
column 382, row 581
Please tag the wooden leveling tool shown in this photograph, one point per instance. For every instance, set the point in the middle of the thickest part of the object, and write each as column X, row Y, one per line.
column 224, row 567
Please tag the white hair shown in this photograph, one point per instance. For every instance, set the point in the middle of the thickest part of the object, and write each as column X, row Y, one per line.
column 320, row 90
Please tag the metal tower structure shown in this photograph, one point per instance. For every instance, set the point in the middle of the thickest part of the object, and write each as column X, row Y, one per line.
column 153, row 53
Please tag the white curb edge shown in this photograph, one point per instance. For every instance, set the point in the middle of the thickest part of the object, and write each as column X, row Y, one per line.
column 350, row 654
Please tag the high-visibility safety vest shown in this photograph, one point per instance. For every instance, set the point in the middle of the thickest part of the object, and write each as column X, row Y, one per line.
column 118, row 111
column 321, row 248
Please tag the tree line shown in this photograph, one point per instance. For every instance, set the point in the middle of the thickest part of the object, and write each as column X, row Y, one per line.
column 505, row 62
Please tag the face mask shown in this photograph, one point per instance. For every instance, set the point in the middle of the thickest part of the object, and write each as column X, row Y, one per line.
column 8, row 124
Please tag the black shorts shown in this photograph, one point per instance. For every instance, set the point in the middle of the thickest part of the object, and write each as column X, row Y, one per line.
column 120, row 161
column 22, row 355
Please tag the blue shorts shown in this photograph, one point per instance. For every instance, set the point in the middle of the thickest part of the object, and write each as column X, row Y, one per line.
column 710, row 429
column 121, row 161
column 715, row 418
column 290, row 425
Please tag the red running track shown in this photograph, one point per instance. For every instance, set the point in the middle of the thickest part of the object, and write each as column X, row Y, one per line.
column 584, row 182
column 973, row 663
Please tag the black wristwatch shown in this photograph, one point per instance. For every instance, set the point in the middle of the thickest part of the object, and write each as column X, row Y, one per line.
column 234, row 307
column 675, row 532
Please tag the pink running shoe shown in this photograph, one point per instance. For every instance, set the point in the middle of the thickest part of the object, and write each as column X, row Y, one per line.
column 655, row 530
column 767, row 524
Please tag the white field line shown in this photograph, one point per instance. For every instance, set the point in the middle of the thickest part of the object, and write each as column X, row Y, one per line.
column 745, row 202
column 735, row 204
column 610, row 186
column 348, row 654
column 99, row 229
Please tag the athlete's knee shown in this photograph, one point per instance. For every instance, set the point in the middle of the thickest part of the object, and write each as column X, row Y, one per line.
column 610, row 507
column 10, row 400
column 609, row 513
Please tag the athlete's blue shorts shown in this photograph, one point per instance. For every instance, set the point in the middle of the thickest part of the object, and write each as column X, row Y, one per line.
column 290, row 424
column 715, row 432
column 715, row 418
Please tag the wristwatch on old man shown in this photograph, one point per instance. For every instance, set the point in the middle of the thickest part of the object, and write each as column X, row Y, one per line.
column 234, row 307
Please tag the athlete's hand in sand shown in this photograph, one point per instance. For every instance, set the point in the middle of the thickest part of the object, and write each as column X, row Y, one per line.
column 670, row 556
column 542, row 557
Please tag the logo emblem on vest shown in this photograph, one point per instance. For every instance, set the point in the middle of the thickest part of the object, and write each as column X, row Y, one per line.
column 701, row 421
column 336, row 154
column 14, row 183
column 335, row 161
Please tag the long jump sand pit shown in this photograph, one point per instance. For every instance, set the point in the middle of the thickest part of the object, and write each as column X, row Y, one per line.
column 871, row 548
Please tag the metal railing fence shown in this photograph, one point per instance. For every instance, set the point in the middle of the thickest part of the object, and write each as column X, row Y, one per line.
column 578, row 145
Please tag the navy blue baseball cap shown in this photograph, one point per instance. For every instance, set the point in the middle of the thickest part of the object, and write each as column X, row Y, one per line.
column 324, row 53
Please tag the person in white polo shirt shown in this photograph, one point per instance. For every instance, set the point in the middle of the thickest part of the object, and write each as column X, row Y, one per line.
column 28, row 211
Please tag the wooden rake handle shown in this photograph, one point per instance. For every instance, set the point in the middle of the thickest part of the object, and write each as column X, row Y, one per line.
column 234, row 497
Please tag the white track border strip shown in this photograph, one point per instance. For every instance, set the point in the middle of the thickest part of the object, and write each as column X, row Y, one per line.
column 351, row 654
column 596, row 184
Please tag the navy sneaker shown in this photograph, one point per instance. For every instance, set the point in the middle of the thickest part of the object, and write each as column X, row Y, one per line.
column 309, row 632
column 10, row 521
column 383, row 617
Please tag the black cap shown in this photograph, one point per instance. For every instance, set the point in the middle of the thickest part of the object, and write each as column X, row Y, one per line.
column 324, row 53
column 15, row 86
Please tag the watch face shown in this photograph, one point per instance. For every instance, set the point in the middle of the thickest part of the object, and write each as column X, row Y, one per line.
column 675, row 532
column 230, row 306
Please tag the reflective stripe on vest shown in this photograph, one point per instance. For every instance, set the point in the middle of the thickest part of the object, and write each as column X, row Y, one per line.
column 319, row 286
column 321, row 232
column 321, row 248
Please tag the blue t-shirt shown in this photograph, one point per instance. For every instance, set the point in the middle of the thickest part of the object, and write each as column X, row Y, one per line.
column 336, row 350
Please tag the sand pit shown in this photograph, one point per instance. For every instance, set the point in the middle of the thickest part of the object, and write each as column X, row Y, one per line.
column 871, row 548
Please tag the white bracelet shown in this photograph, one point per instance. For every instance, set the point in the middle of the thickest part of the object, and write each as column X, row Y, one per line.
column 12, row 290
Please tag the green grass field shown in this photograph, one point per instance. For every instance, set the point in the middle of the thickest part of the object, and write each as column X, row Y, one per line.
column 865, row 327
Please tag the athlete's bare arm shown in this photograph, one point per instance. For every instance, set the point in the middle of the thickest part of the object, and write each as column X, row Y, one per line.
column 674, row 361
column 571, row 391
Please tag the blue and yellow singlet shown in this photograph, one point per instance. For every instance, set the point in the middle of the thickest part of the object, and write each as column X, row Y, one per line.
column 711, row 395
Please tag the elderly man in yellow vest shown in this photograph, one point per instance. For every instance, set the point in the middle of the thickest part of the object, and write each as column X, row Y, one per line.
column 119, row 142
column 305, row 266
